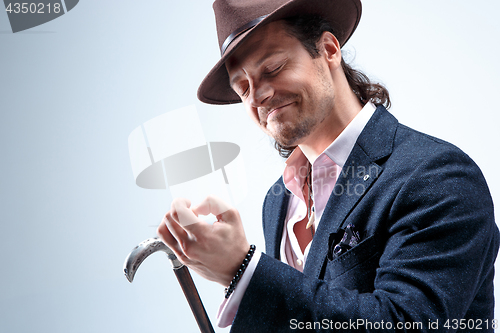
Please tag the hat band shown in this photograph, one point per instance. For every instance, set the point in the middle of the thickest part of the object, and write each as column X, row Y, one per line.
column 238, row 32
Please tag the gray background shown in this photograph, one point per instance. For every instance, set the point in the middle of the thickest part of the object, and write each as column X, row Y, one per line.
column 73, row 89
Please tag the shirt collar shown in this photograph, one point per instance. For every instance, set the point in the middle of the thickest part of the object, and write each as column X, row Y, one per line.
column 341, row 147
column 338, row 151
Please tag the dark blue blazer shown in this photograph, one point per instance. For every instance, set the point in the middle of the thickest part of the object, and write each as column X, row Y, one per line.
column 425, row 260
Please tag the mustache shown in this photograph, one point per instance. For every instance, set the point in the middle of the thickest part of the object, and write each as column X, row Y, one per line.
column 275, row 103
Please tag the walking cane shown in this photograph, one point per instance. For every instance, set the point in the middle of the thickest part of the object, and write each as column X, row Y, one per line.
column 152, row 245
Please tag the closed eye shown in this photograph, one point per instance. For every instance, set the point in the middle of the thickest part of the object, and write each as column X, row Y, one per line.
column 245, row 93
column 242, row 90
column 275, row 70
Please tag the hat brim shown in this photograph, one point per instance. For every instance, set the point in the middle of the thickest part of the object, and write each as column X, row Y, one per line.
column 343, row 15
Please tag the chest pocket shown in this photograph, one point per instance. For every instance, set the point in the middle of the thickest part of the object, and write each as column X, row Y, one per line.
column 356, row 268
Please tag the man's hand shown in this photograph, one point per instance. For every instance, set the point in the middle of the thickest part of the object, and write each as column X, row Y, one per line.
column 214, row 251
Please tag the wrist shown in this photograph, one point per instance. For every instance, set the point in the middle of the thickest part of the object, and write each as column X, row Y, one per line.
column 239, row 273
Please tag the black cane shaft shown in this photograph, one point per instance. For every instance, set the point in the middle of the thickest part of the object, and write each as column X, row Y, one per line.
column 191, row 293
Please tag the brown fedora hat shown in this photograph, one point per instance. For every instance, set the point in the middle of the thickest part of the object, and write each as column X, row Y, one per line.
column 237, row 19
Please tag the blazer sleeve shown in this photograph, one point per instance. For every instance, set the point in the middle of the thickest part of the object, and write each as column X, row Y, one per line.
column 438, row 247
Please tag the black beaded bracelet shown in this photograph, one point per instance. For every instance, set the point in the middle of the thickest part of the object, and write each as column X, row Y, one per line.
column 229, row 290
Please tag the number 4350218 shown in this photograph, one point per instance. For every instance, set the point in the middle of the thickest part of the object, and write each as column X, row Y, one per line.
column 33, row 8
column 471, row 324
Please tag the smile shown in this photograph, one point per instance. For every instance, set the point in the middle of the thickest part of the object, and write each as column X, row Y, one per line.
column 276, row 110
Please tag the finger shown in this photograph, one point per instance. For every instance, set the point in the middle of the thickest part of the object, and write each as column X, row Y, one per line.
column 167, row 237
column 230, row 215
column 211, row 205
column 182, row 212
column 218, row 207
column 178, row 232
column 177, row 202
column 186, row 227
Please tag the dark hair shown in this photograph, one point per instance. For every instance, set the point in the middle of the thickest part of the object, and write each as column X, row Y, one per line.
column 308, row 30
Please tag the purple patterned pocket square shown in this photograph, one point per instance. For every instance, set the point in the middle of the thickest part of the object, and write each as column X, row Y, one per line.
column 342, row 241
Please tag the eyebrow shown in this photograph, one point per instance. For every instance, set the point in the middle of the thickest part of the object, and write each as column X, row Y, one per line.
column 268, row 55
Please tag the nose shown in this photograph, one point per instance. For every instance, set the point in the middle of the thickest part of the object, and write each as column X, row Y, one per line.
column 260, row 92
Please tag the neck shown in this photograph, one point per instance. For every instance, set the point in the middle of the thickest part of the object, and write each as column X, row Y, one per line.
column 327, row 131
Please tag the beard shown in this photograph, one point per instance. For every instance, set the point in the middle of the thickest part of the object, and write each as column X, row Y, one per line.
column 287, row 135
column 290, row 133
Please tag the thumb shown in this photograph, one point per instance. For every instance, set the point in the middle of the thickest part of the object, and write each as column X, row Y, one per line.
column 212, row 205
column 182, row 213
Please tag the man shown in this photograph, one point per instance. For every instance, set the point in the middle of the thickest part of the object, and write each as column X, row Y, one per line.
column 373, row 226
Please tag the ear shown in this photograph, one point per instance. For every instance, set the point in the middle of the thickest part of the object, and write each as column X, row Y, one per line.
column 330, row 49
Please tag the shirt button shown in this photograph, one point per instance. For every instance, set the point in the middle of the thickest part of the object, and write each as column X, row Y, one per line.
column 299, row 262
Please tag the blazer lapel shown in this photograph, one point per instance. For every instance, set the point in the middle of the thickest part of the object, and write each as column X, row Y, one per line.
column 275, row 210
column 358, row 174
